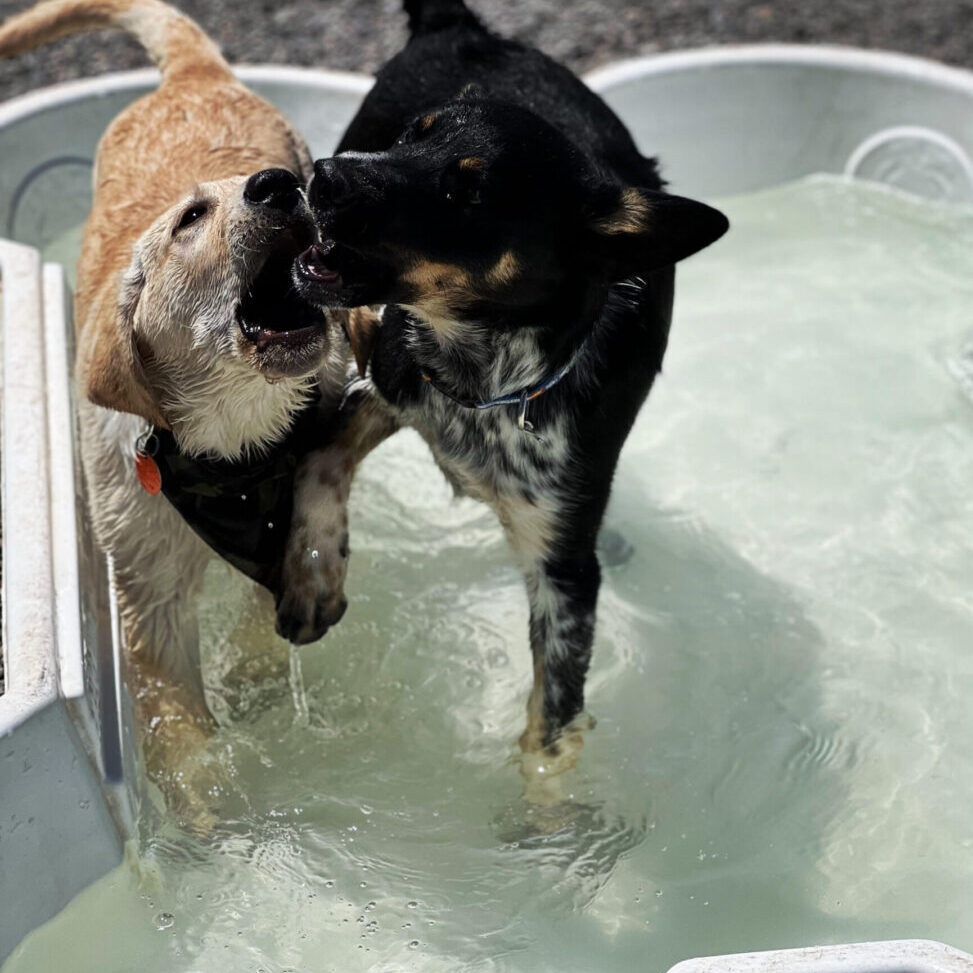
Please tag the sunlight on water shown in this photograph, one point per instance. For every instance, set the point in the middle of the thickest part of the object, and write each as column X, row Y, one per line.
column 782, row 674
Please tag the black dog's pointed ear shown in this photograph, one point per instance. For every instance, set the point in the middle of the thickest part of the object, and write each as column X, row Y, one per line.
column 639, row 230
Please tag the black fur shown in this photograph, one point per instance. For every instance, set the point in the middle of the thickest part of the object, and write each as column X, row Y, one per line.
column 554, row 238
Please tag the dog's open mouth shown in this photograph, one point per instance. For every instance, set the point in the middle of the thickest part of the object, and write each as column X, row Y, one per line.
column 315, row 264
column 332, row 274
column 271, row 312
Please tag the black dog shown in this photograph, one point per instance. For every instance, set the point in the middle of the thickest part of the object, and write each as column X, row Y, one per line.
column 524, row 250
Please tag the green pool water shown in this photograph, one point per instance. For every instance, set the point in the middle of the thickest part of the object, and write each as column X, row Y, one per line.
column 782, row 673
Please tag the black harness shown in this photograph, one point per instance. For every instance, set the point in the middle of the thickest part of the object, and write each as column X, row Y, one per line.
column 241, row 508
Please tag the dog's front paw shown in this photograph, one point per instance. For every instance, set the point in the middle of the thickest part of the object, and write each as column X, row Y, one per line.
column 311, row 598
column 303, row 618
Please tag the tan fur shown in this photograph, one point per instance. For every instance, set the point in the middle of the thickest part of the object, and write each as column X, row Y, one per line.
column 156, row 335
column 426, row 123
column 632, row 215
column 472, row 163
column 505, row 271
column 361, row 324
column 438, row 290
column 175, row 43
column 214, row 128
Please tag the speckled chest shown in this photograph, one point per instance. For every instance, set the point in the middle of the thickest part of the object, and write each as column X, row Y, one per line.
column 485, row 453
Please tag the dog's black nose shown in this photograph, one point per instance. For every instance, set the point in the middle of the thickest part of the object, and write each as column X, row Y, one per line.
column 277, row 188
column 330, row 188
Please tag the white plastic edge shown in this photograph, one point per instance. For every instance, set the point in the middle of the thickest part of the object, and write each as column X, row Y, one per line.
column 919, row 133
column 744, row 55
column 107, row 84
column 64, row 528
column 30, row 670
column 895, row 956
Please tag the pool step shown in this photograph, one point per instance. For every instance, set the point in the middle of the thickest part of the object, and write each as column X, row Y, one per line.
column 65, row 813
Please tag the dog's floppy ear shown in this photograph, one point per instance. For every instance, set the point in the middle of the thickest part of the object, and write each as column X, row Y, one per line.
column 638, row 230
column 110, row 368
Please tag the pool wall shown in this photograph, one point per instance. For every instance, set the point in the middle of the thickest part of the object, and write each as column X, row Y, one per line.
column 722, row 121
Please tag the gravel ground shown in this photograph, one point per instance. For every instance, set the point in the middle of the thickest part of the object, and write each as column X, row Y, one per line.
column 359, row 35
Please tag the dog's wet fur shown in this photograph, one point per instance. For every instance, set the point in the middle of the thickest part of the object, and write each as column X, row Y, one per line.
column 186, row 320
column 505, row 218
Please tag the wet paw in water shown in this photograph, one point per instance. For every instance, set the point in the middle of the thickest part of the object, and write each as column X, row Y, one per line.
column 543, row 771
column 253, row 685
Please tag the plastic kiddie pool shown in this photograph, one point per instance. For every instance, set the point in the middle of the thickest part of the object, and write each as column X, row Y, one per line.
column 723, row 121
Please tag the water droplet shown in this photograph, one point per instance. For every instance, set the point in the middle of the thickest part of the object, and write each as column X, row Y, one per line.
column 164, row 920
column 270, row 525
column 370, row 906
column 412, row 904
column 414, row 944
column 315, row 555
column 243, row 496
column 363, row 885
column 366, row 809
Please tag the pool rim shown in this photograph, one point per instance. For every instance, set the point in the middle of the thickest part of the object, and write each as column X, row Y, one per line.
column 617, row 73
column 64, row 92
column 859, row 59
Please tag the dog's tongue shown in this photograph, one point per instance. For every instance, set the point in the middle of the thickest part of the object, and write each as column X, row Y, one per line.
column 314, row 261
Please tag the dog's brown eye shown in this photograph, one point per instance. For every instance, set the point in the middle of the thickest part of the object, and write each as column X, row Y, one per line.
column 195, row 212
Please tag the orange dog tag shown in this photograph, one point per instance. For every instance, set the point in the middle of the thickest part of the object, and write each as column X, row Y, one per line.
column 148, row 473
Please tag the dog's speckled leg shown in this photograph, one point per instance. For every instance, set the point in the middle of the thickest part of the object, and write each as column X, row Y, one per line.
column 313, row 576
column 562, row 592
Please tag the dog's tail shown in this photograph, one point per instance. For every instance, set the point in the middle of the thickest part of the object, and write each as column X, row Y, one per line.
column 177, row 44
column 428, row 16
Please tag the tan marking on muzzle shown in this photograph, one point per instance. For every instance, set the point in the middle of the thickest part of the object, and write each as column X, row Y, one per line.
column 431, row 279
column 440, row 292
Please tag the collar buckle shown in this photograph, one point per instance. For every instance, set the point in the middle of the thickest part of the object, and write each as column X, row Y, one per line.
column 523, row 423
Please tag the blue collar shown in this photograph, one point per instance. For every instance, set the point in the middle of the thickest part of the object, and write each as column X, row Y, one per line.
column 522, row 398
